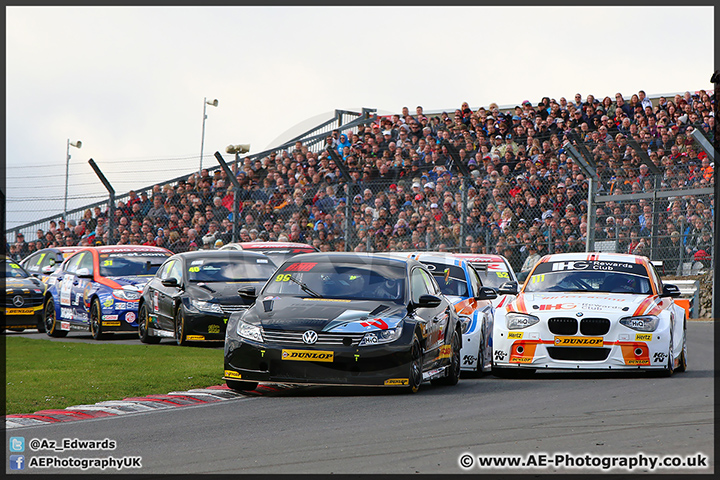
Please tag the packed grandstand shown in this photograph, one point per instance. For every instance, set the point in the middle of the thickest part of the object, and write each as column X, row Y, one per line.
column 526, row 195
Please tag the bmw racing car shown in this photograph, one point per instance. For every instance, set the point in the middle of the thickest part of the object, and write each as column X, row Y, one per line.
column 194, row 293
column 98, row 289
column 24, row 299
column 495, row 271
column 277, row 251
column 461, row 284
column 43, row 262
column 595, row 311
column 346, row 319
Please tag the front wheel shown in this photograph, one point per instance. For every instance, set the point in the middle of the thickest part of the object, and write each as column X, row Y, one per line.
column 180, row 330
column 52, row 326
column 241, row 387
column 96, row 320
column 682, row 365
column 143, row 322
column 454, row 368
column 416, row 362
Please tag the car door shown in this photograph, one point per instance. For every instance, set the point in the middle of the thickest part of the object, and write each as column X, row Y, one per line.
column 65, row 287
column 421, row 283
column 165, row 296
column 82, row 284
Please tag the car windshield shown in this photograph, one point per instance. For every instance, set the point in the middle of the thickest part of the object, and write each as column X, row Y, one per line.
column 130, row 264
column 13, row 270
column 230, row 270
column 492, row 278
column 589, row 276
column 450, row 278
column 342, row 280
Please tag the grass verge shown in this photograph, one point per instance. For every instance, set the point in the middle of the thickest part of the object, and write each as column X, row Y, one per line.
column 41, row 374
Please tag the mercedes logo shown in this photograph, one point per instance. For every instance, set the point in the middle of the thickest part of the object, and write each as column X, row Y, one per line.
column 310, row 337
column 18, row 301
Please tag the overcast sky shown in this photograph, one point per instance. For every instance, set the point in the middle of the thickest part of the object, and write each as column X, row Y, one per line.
column 129, row 82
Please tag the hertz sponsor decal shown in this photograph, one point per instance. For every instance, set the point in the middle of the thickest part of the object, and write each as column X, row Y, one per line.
column 232, row 374
column 308, row 355
column 445, row 351
column 645, row 337
column 515, row 335
column 195, row 337
column 578, row 341
column 397, row 381
column 111, row 323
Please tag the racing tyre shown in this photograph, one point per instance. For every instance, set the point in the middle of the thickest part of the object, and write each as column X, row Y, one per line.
column 96, row 320
column 52, row 326
column 143, row 320
column 682, row 365
column 241, row 387
column 416, row 364
column 180, row 330
column 41, row 324
column 454, row 368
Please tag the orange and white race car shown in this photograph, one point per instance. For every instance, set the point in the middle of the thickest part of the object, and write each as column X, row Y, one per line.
column 595, row 311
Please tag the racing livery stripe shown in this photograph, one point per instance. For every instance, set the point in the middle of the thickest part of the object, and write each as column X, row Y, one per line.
column 520, row 304
column 645, row 305
column 108, row 283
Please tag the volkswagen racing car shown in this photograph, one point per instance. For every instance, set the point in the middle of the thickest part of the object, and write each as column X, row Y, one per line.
column 193, row 294
column 346, row 319
column 98, row 289
column 596, row 311
column 461, row 284
column 24, row 299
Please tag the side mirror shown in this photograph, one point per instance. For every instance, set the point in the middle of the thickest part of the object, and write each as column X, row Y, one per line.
column 247, row 292
column 170, row 282
column 508, row 288
column 486, row 293
column 84, row 273
column 670, row 290
column 48, row 269
column 425, row 301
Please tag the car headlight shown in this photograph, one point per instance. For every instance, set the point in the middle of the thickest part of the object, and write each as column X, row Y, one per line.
column 647, row 323
column 206, row 306
column 126, row 294
column 251, row 332
column 517, row 321
column 381, row 336
column 465, row 323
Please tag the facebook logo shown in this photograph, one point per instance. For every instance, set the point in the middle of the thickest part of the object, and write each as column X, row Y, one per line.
column 17, row 444
column 17, row 462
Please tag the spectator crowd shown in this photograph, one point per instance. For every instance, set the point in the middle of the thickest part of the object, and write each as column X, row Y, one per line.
column 526, row 195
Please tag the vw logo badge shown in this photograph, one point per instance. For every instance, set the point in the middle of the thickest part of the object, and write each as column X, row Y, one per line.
column 18, row 301
column 579, row 314
column 310, row 337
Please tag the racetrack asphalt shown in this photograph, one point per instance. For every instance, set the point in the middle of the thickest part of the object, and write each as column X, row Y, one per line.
column 352, row 430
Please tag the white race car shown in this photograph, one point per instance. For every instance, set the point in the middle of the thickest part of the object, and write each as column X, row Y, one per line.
column 596, row 311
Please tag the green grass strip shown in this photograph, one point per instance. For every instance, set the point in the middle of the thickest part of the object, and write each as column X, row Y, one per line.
column 41, row 374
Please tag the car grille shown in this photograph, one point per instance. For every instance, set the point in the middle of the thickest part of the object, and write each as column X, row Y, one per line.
column 578, row 353
column 563, row 326
column 329, row 339
column 594, row 326
column 29, row 300
column 230, row 309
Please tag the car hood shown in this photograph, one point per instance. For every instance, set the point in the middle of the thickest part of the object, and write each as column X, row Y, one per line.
column 19, row 284
column 221, row 292
column 137, row 281
column 324, row 315
column 609, row 304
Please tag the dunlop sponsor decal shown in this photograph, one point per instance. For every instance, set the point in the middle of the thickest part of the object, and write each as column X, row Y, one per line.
column 308, row 355
column 232, row 374
column 521, row 359
column 19, row 311
column 445, row 351
column 637, row 361
column 397, row 381
column 326, row 300
column 515, row 335
column 578, row 341
column 645, row 337
column 111, row 323
column 195, row 337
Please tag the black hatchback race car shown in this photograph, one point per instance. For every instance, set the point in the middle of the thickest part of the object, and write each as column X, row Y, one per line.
column 193, row 294
column 346, row 319
column 24, row 299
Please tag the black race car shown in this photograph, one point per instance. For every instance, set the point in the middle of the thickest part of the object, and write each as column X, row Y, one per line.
column 24, row 299
column 345, row 319
column 193, row 294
